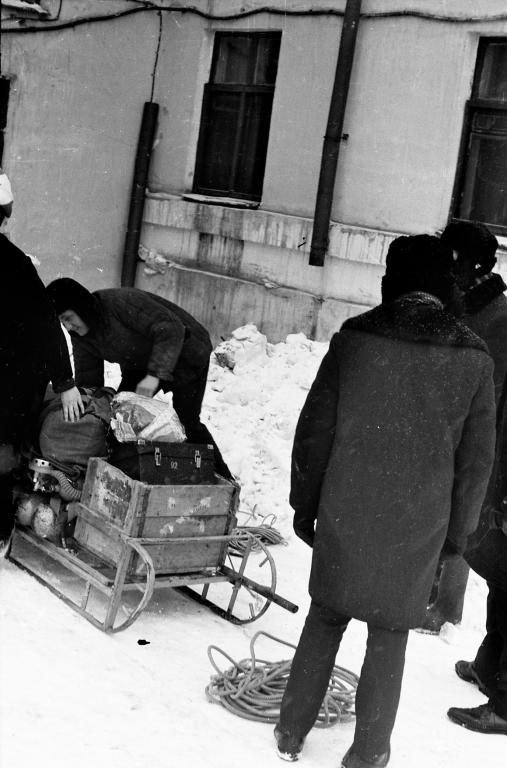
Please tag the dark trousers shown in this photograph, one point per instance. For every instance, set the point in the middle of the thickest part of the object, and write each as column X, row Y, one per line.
column 21, row 403
column 187, row 402
column 491, row 659
column 379, row 687
column 6, row 506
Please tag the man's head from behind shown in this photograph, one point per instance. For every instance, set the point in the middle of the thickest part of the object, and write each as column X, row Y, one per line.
column 474, row 247
column 418, row 263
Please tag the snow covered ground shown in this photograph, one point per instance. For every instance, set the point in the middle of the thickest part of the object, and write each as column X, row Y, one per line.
column 72, row 696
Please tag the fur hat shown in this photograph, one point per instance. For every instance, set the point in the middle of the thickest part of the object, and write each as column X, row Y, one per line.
column 418, row 263
column 473, row 242
column 66, row 293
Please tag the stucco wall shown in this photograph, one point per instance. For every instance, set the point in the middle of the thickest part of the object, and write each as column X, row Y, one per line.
column 75, row 109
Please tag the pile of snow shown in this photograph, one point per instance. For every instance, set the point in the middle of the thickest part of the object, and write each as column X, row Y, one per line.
column 254, row 396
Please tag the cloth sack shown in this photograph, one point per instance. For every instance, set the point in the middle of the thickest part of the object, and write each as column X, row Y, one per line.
column 68, row 444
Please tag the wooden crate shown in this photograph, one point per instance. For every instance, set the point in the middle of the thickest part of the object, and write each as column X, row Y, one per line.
column 113, row 504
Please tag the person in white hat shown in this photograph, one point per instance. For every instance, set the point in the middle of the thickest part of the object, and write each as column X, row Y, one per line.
column 33, row 351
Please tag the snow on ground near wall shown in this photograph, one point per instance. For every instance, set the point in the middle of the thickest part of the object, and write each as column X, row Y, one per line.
column 71, row 695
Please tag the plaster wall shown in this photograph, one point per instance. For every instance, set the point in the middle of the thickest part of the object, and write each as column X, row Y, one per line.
column 75, row 108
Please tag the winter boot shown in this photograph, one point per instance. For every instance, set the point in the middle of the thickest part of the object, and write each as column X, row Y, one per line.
column 352, row 760
column 466, row 671
column 288, row 747
column 481, row 719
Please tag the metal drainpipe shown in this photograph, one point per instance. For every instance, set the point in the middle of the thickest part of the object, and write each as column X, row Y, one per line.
column 333, row 137
column 137, row 195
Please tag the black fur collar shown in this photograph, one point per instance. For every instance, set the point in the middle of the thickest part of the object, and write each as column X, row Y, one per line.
column 480, row 295
column 416, row 317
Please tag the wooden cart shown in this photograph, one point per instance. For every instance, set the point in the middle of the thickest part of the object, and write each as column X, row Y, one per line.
column 133, row 537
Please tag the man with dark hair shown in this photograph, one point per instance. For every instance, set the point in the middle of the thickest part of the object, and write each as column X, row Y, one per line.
column 157, row 344
column 33, row 351
column 484, row 307
column 391, row 458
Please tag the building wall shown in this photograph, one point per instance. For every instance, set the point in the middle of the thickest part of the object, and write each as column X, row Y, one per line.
column 410, row 81
column 75, row 108
column 76, row 103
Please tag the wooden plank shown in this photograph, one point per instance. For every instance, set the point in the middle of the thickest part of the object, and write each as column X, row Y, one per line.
column 70, row 561
column 108, row 490
column 186, row 500
column 186, row 558
column 202, row 577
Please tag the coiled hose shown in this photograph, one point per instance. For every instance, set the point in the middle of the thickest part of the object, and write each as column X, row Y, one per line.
column 253, row 688
column 265, row 532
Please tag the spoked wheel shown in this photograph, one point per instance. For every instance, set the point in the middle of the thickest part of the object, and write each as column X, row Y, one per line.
column 250, row 580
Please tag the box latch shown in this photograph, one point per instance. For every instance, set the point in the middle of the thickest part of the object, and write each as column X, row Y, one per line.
column 158, row 457
column 197, row 459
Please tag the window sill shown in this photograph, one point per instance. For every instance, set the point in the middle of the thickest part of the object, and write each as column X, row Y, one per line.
column 228, row 202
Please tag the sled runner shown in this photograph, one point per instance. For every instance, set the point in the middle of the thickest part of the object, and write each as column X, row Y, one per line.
column 131, row 538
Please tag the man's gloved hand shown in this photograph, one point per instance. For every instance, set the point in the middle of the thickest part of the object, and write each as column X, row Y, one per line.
column 305, row 532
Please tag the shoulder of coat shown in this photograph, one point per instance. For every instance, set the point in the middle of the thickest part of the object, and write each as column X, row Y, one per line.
column 418, row 323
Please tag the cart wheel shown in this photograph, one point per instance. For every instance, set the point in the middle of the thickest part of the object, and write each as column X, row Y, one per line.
column 241, row 601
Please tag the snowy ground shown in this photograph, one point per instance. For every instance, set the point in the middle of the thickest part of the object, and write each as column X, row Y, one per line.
column 72, row 696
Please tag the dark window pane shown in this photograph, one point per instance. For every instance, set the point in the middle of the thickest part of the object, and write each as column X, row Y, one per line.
column 236, row 114
column 233, row 63
column 266, row 64
column 253, row 146
column 493, row 79
column 223, row 112
column 485, row 193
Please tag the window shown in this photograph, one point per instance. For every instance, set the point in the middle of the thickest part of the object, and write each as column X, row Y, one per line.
column 236, row 113
column 4, row 104
column 481, row 187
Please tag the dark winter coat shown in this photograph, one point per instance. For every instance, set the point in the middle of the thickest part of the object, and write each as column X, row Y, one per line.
column 392, row 455
column 145, row 334
column 486, row 315
column 33, row 349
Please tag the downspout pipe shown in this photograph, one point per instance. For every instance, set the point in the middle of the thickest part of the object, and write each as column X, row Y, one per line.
column 137, row 195
column 333, row 137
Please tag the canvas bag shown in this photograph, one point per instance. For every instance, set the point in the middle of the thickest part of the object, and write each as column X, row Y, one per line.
column 72, row 443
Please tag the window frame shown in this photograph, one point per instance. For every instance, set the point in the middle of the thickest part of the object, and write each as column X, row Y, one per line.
column 243, row 89
column 474, row 105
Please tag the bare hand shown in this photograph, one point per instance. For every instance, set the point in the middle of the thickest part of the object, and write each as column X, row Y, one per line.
column 72, row 404
column 148, row 386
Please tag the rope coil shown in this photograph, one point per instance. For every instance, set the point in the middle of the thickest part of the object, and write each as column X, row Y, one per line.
column 253, row 688
column 265, row 533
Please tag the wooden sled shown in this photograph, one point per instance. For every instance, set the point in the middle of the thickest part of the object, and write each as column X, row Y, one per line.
column 131, row 537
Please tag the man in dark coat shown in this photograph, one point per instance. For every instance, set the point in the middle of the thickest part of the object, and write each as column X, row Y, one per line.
column 156, row 343
column 487, row 555
column 33, row 351
column 391, row 459
column 485, row 312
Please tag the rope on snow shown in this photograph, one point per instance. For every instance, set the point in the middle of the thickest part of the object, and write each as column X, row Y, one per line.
column 265, row 532
column 253, row 688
